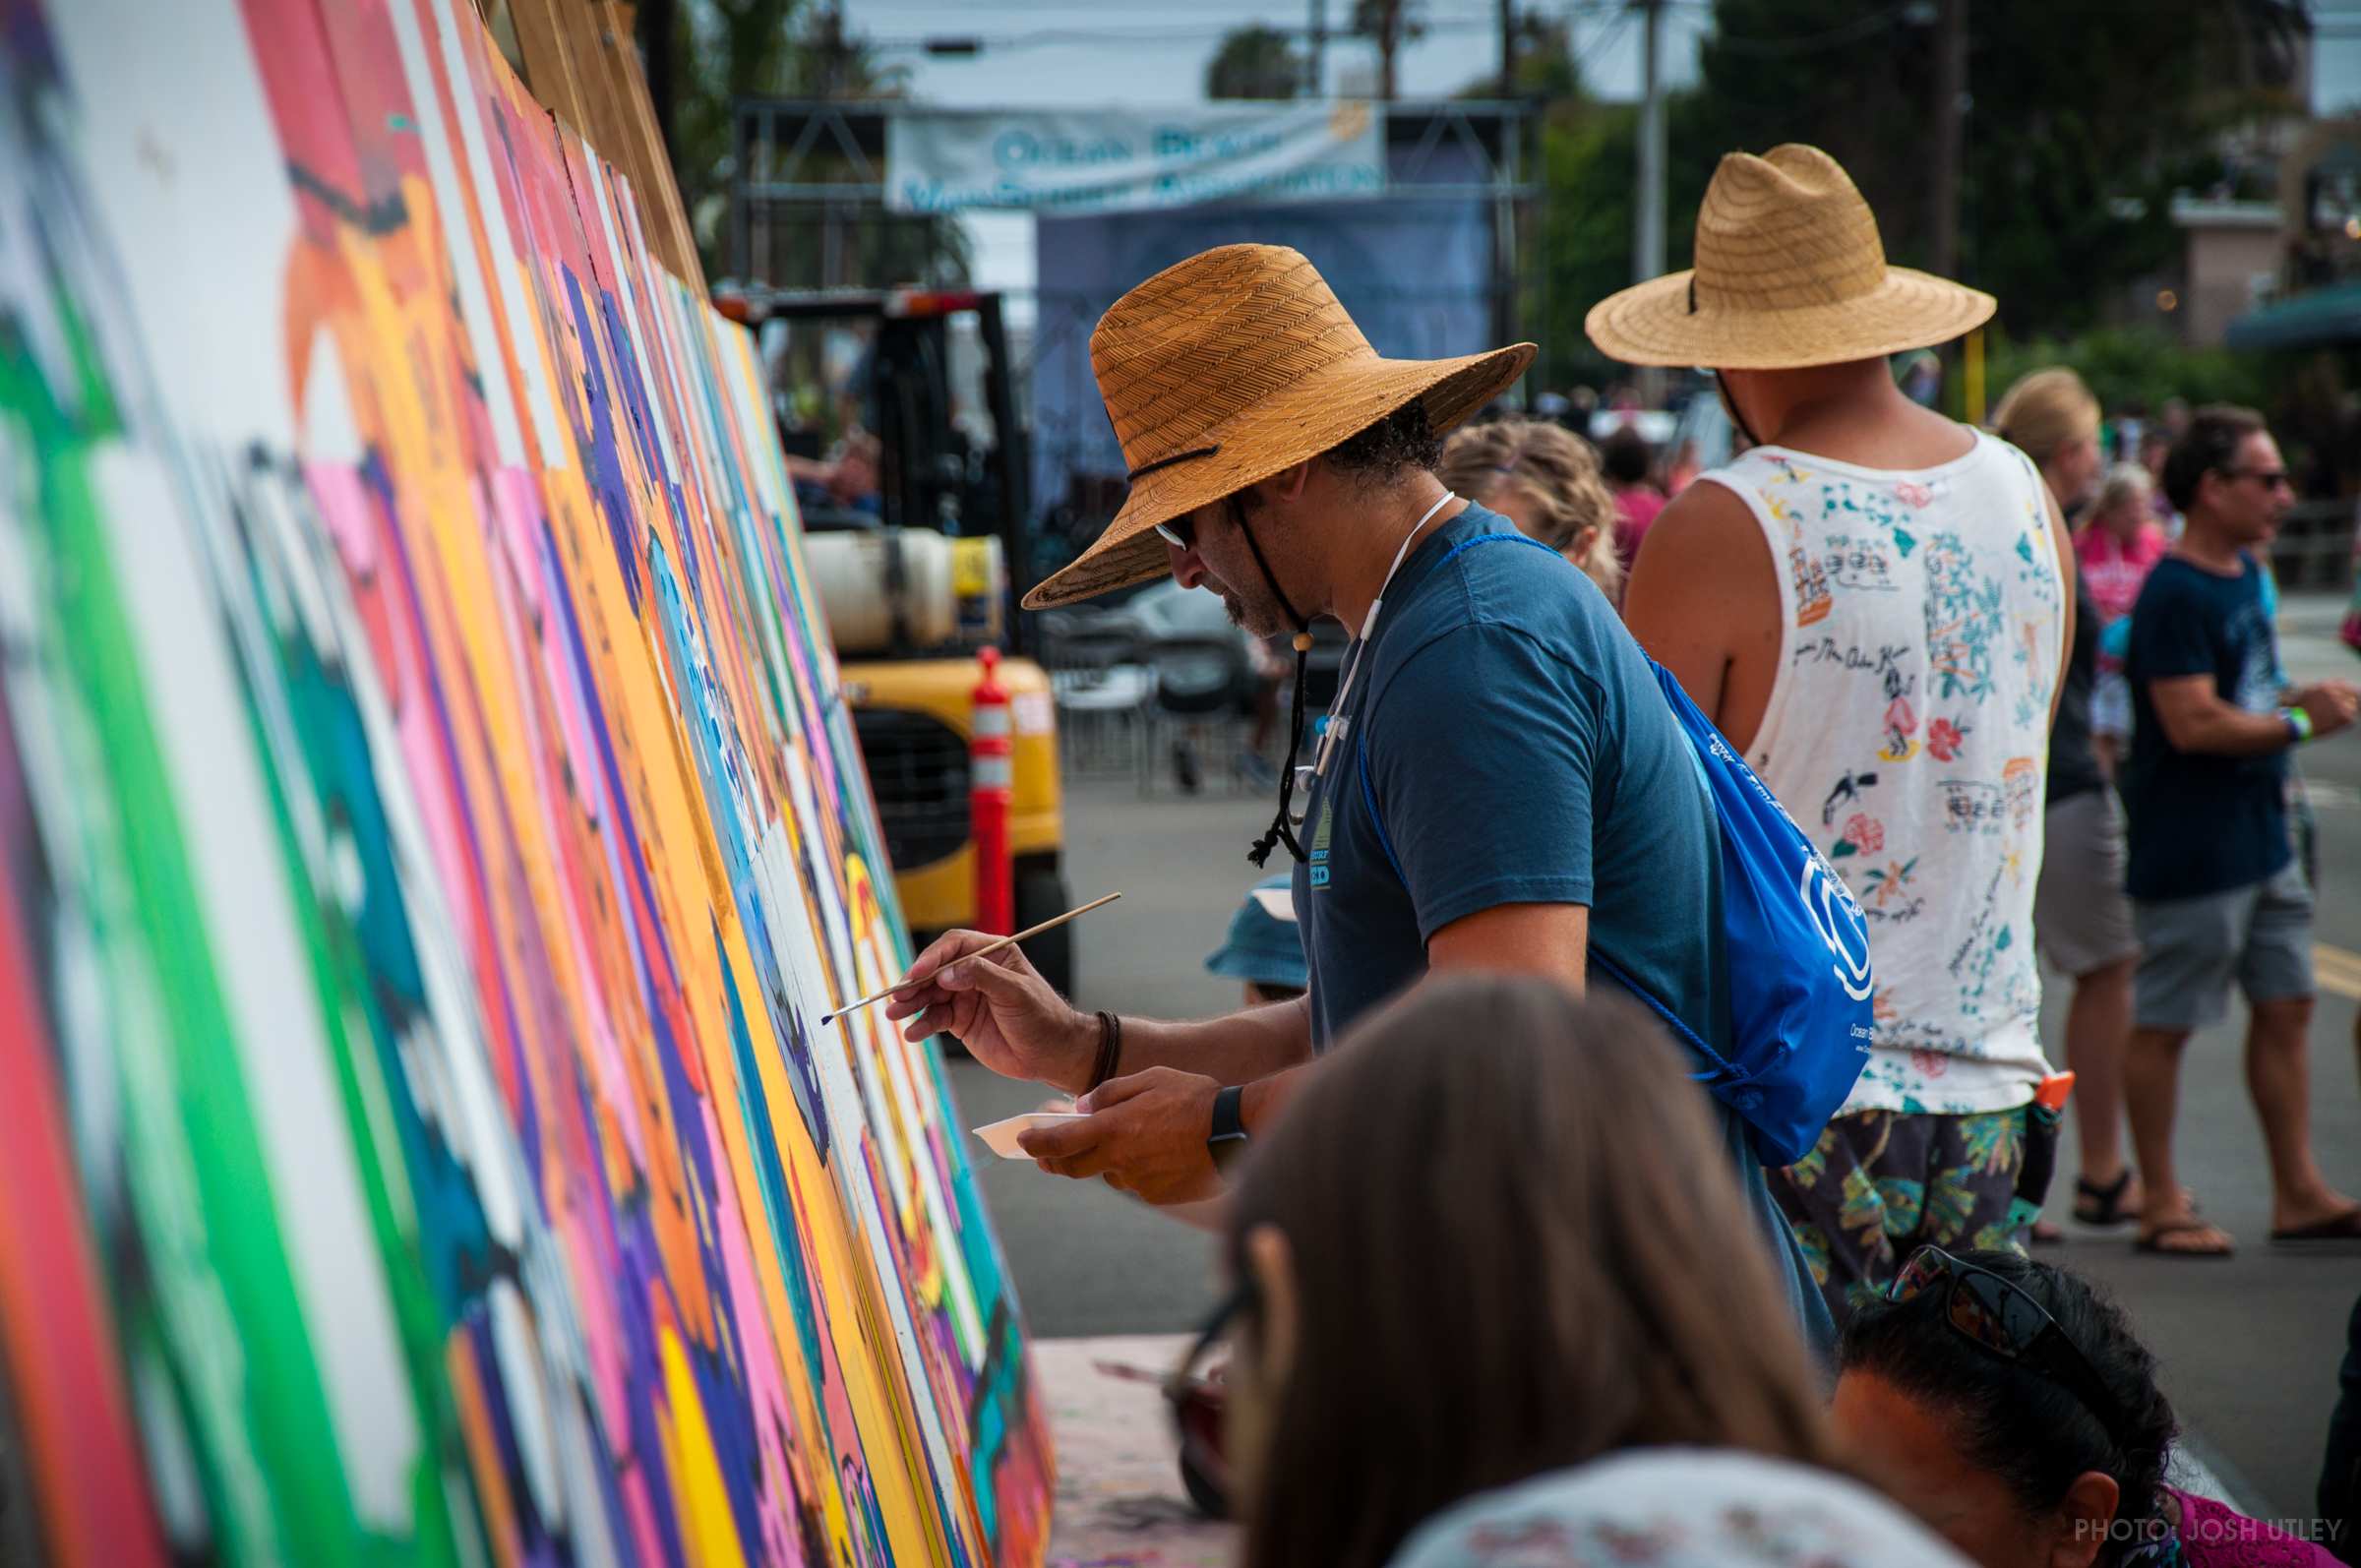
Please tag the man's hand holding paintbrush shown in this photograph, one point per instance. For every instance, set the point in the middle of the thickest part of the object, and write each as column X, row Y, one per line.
column 1147, row 1089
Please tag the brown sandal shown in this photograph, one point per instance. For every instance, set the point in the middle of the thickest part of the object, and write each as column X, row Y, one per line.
column 2153, row 1240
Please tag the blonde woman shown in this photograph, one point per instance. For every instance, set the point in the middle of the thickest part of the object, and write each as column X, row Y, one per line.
column 2082, row 919
column 1545, row 479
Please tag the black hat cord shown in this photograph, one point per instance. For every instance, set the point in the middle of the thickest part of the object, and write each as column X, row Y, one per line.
column 1279, row 832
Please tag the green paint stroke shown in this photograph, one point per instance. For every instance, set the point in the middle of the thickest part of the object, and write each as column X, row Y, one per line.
column 217, row 1280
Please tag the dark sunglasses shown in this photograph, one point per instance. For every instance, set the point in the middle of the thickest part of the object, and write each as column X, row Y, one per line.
column 2004, row 1322
column 1180, row 534
column 2272, row 478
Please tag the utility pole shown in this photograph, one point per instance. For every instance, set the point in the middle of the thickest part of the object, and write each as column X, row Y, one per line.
column 1949, row 139
column 1509, row 49
column 1648, row 234
column 829, row 37
column 1317, row 81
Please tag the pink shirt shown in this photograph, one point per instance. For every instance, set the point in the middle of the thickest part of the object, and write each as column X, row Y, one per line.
column 2115, row 570
column 1635, row 510
column 2215, row 1537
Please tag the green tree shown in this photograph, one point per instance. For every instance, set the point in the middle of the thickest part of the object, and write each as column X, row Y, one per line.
column 719, row 50
column 1545, row 68
column 1255, row 62
column 723, row 50
column 1547, row 73
column 2084, row 121
column 1590, row 153
column 2133, row 367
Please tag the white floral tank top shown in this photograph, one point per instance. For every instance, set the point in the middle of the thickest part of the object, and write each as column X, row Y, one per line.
column 1908, row 733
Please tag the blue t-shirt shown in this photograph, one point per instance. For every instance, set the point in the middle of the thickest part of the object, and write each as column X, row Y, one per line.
column 2200, row 823
column 1506, row 742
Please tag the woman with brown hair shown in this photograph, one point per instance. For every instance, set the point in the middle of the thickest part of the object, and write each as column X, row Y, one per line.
column 1545, row 479
column 1496, row 1240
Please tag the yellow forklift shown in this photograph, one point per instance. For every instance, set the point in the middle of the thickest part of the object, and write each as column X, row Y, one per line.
column 913, row 544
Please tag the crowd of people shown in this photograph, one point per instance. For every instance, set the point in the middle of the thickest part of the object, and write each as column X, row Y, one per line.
column 1509, row 1286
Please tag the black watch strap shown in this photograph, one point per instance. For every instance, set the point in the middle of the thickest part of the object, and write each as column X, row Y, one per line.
column 1228, row 1140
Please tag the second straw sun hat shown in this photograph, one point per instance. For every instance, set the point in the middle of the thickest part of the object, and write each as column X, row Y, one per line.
column 1789, row 274
column 1231, row 367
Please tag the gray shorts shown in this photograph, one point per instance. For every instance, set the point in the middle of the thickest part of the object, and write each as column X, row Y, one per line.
column 2082, row 921
column 2192, row 949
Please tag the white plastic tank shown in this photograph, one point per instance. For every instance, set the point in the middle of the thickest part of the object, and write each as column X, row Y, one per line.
column 899, row 591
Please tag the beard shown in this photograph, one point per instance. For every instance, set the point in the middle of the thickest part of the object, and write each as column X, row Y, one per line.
column 1256, row 620
column 1255, row 616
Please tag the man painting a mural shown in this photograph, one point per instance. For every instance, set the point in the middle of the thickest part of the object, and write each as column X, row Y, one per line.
column 1500, row 784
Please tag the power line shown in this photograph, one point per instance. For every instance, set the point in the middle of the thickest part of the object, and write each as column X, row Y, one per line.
column 1852, row 31
column 1189, row 33
column 1617, row 11
column 1197, row 32
column 1600, row 42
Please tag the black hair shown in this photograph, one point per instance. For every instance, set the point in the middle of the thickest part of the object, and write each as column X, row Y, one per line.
column 1377, row 455
column 2017, row 1423
column 1625, row 457
column 2208, row 446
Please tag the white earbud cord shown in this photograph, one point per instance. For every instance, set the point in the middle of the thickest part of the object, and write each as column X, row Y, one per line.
column 1361, row 645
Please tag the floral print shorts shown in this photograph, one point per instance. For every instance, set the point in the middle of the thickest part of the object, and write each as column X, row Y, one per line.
column 1882, row 1183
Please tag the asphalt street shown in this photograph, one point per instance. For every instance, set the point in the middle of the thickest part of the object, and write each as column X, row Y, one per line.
column 2249, row 1346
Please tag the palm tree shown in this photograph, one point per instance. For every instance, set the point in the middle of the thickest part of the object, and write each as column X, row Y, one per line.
column 722, row 50
column 1388, row 24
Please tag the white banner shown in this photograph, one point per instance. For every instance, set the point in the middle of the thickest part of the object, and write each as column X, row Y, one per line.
column 1117, row 160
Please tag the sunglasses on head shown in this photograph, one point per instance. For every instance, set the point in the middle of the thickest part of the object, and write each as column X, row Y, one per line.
column 2005, row 1322
column 1198, row 1397
column 1190, row 1377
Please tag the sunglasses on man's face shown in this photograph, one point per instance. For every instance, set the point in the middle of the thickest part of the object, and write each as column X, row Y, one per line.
column 2003, row 1321
column 1180, row 534
column 2268, row 478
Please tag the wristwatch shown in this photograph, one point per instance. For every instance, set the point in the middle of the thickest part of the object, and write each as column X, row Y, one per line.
column 1227, row 1141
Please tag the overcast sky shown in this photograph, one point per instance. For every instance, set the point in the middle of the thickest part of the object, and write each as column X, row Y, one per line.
column 1076, row 53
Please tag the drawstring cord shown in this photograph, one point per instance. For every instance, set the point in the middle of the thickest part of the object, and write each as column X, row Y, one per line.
column 1279, row 832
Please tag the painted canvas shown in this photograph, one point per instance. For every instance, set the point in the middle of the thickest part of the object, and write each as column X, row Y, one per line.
column 430, row 832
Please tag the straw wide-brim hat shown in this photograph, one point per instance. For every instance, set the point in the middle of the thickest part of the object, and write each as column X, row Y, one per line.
column 1233, row 366
column 1789, row 273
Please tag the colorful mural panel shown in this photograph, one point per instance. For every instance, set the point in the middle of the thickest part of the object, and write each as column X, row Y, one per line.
column 430, row 832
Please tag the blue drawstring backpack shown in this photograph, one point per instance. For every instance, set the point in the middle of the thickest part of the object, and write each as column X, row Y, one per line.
column 1795, row 945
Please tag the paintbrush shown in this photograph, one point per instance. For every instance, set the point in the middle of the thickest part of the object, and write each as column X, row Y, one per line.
column 1051, row 924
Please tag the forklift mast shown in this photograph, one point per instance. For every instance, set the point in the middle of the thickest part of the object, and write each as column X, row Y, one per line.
column 928, row 474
